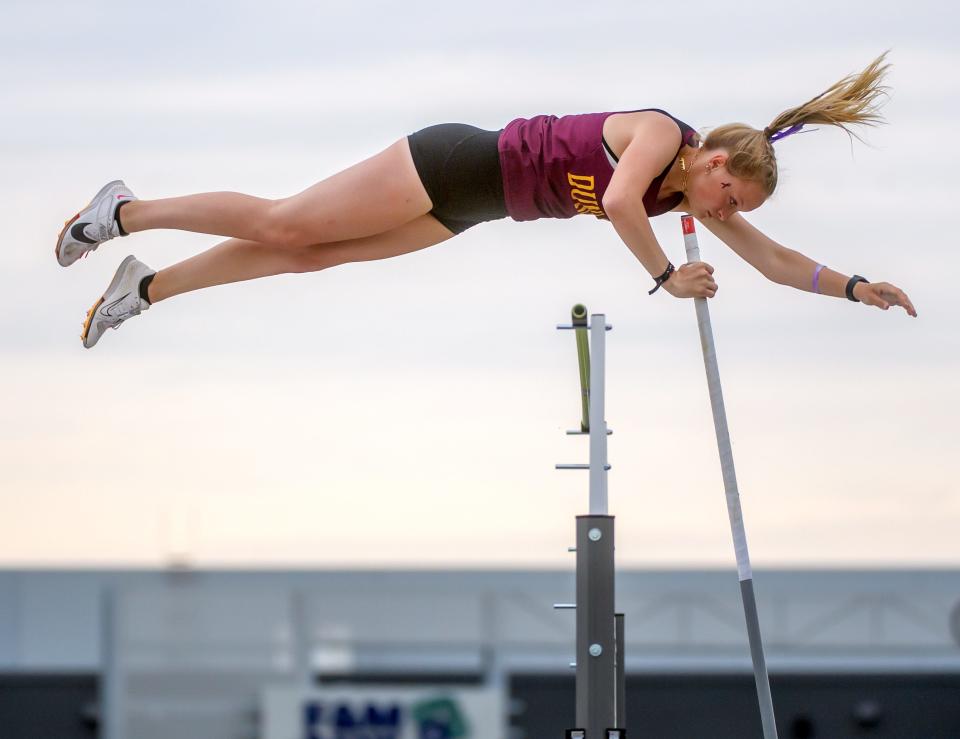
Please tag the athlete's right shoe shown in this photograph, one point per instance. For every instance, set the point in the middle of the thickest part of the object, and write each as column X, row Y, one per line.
column 93, row 225
column 121, row 301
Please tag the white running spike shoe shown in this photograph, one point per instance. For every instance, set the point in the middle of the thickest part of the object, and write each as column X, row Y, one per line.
column 121, row 301
column 93, row 225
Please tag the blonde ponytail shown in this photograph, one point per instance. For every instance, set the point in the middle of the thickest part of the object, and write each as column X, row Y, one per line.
column 854, row 100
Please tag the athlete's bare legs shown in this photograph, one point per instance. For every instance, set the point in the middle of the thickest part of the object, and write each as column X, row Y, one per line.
column 238, row 259
column 376, row 209
column 369, row 198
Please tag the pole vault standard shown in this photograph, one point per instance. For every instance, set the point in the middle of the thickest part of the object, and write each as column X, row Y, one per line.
column 733, row 495
column 600, row 710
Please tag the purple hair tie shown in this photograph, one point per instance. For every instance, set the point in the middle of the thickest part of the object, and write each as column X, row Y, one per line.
column 816, row 278
column 783, row 134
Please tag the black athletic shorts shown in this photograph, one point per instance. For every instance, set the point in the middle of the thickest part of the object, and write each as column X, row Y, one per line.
column 459, row 166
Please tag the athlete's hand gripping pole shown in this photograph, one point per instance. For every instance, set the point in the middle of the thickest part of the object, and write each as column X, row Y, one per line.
column 733, row 495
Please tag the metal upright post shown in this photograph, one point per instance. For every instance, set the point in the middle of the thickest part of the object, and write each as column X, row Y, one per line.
column 302, row 651
column 596, row 628
column 621, row 675
column 111, row 683
column 599, row 681
column 598, row 423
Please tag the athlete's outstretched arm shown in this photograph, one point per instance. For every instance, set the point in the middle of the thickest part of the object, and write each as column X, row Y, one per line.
column 788, row 267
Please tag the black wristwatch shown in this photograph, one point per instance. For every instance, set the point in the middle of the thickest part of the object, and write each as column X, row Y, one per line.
column 850, row 284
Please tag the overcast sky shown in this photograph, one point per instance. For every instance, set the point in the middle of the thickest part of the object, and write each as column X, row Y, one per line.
column 410, row 412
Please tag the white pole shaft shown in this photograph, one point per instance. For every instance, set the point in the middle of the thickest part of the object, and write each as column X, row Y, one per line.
column 734, row 511
column 719, row 413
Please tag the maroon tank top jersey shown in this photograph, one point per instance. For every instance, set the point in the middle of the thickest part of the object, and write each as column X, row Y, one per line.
column 559, row 167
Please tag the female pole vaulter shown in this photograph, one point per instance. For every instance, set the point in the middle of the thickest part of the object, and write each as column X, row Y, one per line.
column 625, row 167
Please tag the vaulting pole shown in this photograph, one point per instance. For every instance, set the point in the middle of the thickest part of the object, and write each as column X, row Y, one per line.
column 733, row 495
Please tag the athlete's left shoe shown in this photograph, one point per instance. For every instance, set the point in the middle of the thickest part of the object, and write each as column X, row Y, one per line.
column 121, row 301
column 93, row 225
